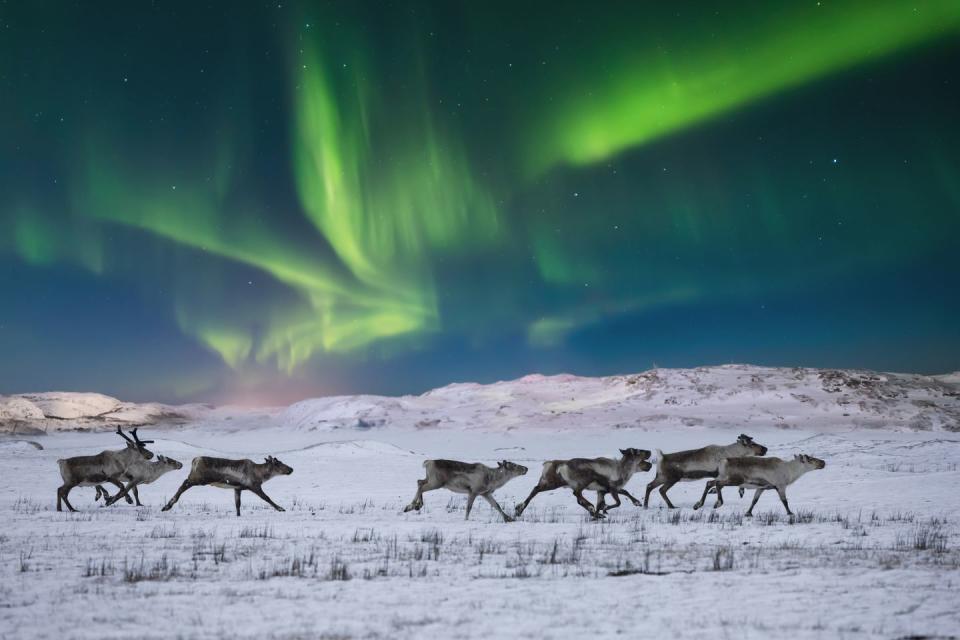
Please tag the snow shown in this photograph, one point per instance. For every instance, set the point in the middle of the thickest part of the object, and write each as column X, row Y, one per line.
column 872, row 551
column 725, row 396
column 68, row 410
column 16, row 409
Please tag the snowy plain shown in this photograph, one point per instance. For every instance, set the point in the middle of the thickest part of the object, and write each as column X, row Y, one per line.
column 873, row 550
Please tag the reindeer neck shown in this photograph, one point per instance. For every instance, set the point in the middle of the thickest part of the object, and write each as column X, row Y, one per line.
column 796, row 469
column 625, row 468
column 500, row 476
column 262, row 471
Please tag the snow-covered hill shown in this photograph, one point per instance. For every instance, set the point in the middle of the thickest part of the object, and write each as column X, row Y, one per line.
column 63, row 410
column 732, row 396
column 724, row 396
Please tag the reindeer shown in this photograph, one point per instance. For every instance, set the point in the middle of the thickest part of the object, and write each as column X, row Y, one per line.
column 238, row 475
column 760, row 474
column 696, row 464
column 106, row 466
column 138, row 473
column 473, row 479
column 604, row 475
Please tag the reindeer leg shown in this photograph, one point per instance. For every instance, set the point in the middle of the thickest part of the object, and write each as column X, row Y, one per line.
column 470, row 499
column 100, row 490
column 656, row 482
column 756, row 496
column 266, row 498
column 493, row 503
column 118, row 485
column 122, row 494
column 782, row 492
column 183, row 487
column 583, row 502
column 663, row 493
column 635, row 502
column 616, row 501
column 711, row 484
column 520, row 508
column 136, row 496
column 719, row 502
column 236, row 499
column 62, row 494
column 417, row 502
column 601, row 500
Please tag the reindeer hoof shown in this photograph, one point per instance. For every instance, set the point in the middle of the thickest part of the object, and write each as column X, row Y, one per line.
column 748, row 515
column 507, row 519
column 166, row 507
column 697, row 505
column 280, row 509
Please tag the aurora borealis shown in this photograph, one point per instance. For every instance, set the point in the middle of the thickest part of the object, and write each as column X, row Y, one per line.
column 268, row 201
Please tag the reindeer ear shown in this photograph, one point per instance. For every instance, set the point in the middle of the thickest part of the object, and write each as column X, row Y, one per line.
column 623, row 452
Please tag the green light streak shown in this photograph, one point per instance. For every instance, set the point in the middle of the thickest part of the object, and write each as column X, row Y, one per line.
column 643, row 95
column 384, row 205
column 383, row 210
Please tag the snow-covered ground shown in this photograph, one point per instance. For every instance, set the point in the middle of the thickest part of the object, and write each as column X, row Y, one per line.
column 872, row 551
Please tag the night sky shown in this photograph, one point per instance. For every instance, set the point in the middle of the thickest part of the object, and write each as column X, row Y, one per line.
column 259, row 202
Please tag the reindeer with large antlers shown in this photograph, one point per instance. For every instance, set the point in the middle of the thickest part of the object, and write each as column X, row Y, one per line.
column 106, row 466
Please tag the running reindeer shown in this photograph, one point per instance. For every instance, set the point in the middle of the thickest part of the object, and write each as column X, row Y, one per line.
column 697, row 464
column 603, row 475
column 760, row 474
column 238, row 475
column 473, row 479
column 138, row 473
column 106, row 466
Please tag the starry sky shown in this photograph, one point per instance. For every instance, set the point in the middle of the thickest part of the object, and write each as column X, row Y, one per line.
column 259, row 202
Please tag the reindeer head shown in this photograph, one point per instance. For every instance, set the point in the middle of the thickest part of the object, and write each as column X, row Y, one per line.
column 169, row 463
column 810, row 461
column 754, row 448
column 637, row 457
column 138, row 445
column 277, row 468
column 511, row 469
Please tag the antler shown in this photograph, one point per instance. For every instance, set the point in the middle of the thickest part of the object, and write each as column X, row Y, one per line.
column 135, row 437
column 124, row 436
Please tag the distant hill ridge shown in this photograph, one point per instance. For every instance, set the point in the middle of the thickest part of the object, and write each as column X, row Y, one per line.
column 723, row 396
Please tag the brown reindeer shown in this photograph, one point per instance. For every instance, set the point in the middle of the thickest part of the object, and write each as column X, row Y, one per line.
column 139, row 473
column 760, row 474
column 603, row 475
column 106, row 466
column 238, row 475
column 473, row 479
column 696, row 464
